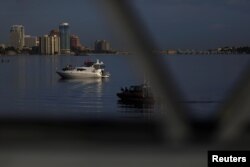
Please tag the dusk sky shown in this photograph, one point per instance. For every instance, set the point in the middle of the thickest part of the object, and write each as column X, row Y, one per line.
column 197, row 24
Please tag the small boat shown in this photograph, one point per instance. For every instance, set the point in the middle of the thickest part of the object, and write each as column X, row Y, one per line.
column 90, row 69
column 137, row 93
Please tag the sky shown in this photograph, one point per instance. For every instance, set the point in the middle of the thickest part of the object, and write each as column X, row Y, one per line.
column 173, row 24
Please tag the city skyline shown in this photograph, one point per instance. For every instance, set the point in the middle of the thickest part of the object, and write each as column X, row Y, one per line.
column 173, row 24
column 72, row 43
column 57, row 41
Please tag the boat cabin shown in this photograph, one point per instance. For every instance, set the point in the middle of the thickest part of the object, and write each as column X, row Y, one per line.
column 68, row 67
column 98, row 66
column 135, row 88
column 89, row 63
column 80, row 69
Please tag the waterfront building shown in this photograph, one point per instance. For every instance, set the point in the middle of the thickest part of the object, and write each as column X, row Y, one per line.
column 30, row 41
column 56, row 43
column 45, row 45
column 54, row 32
column 64, row 38
column 102, row 46
column 49, row 45
column 17, row 36
column 74, row 42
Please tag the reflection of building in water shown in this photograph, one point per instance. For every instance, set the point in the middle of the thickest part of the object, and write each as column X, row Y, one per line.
column 21, row 80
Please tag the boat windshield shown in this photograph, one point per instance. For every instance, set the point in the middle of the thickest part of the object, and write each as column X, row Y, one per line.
column 88, row 63
column 99, row 66
column 135, row 88
column 68, row 67
column 80, row 69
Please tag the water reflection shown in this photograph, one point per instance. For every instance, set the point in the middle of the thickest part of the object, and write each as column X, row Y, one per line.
column 85, row 81
column 134, row 110
column 86, row 85
column 5, row 60
column 133, row 104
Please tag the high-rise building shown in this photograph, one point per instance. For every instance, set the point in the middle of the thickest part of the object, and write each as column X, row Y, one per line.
column 57, row 48
column 54, row 32
column 17, row 36
column 74, row 42
column 49, row 45
column 102, row 46
column 44, row 45
column 64, row 38
column 30, row 41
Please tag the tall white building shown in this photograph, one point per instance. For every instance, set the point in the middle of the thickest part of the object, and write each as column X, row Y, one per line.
column 17, row 36
column 49, row 45
column 57, row 48
column 44, row 44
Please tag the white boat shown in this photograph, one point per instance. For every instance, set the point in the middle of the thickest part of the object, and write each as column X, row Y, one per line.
column 89, row 70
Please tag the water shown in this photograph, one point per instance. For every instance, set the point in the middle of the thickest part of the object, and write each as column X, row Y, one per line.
column 206, row 81
column 29, row 85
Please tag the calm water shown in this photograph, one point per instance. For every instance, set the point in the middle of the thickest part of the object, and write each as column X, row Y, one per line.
column 29, row 85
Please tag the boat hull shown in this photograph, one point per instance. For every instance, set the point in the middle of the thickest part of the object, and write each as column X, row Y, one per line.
column 127, row 97
column 89, row 70
column 78, row 75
